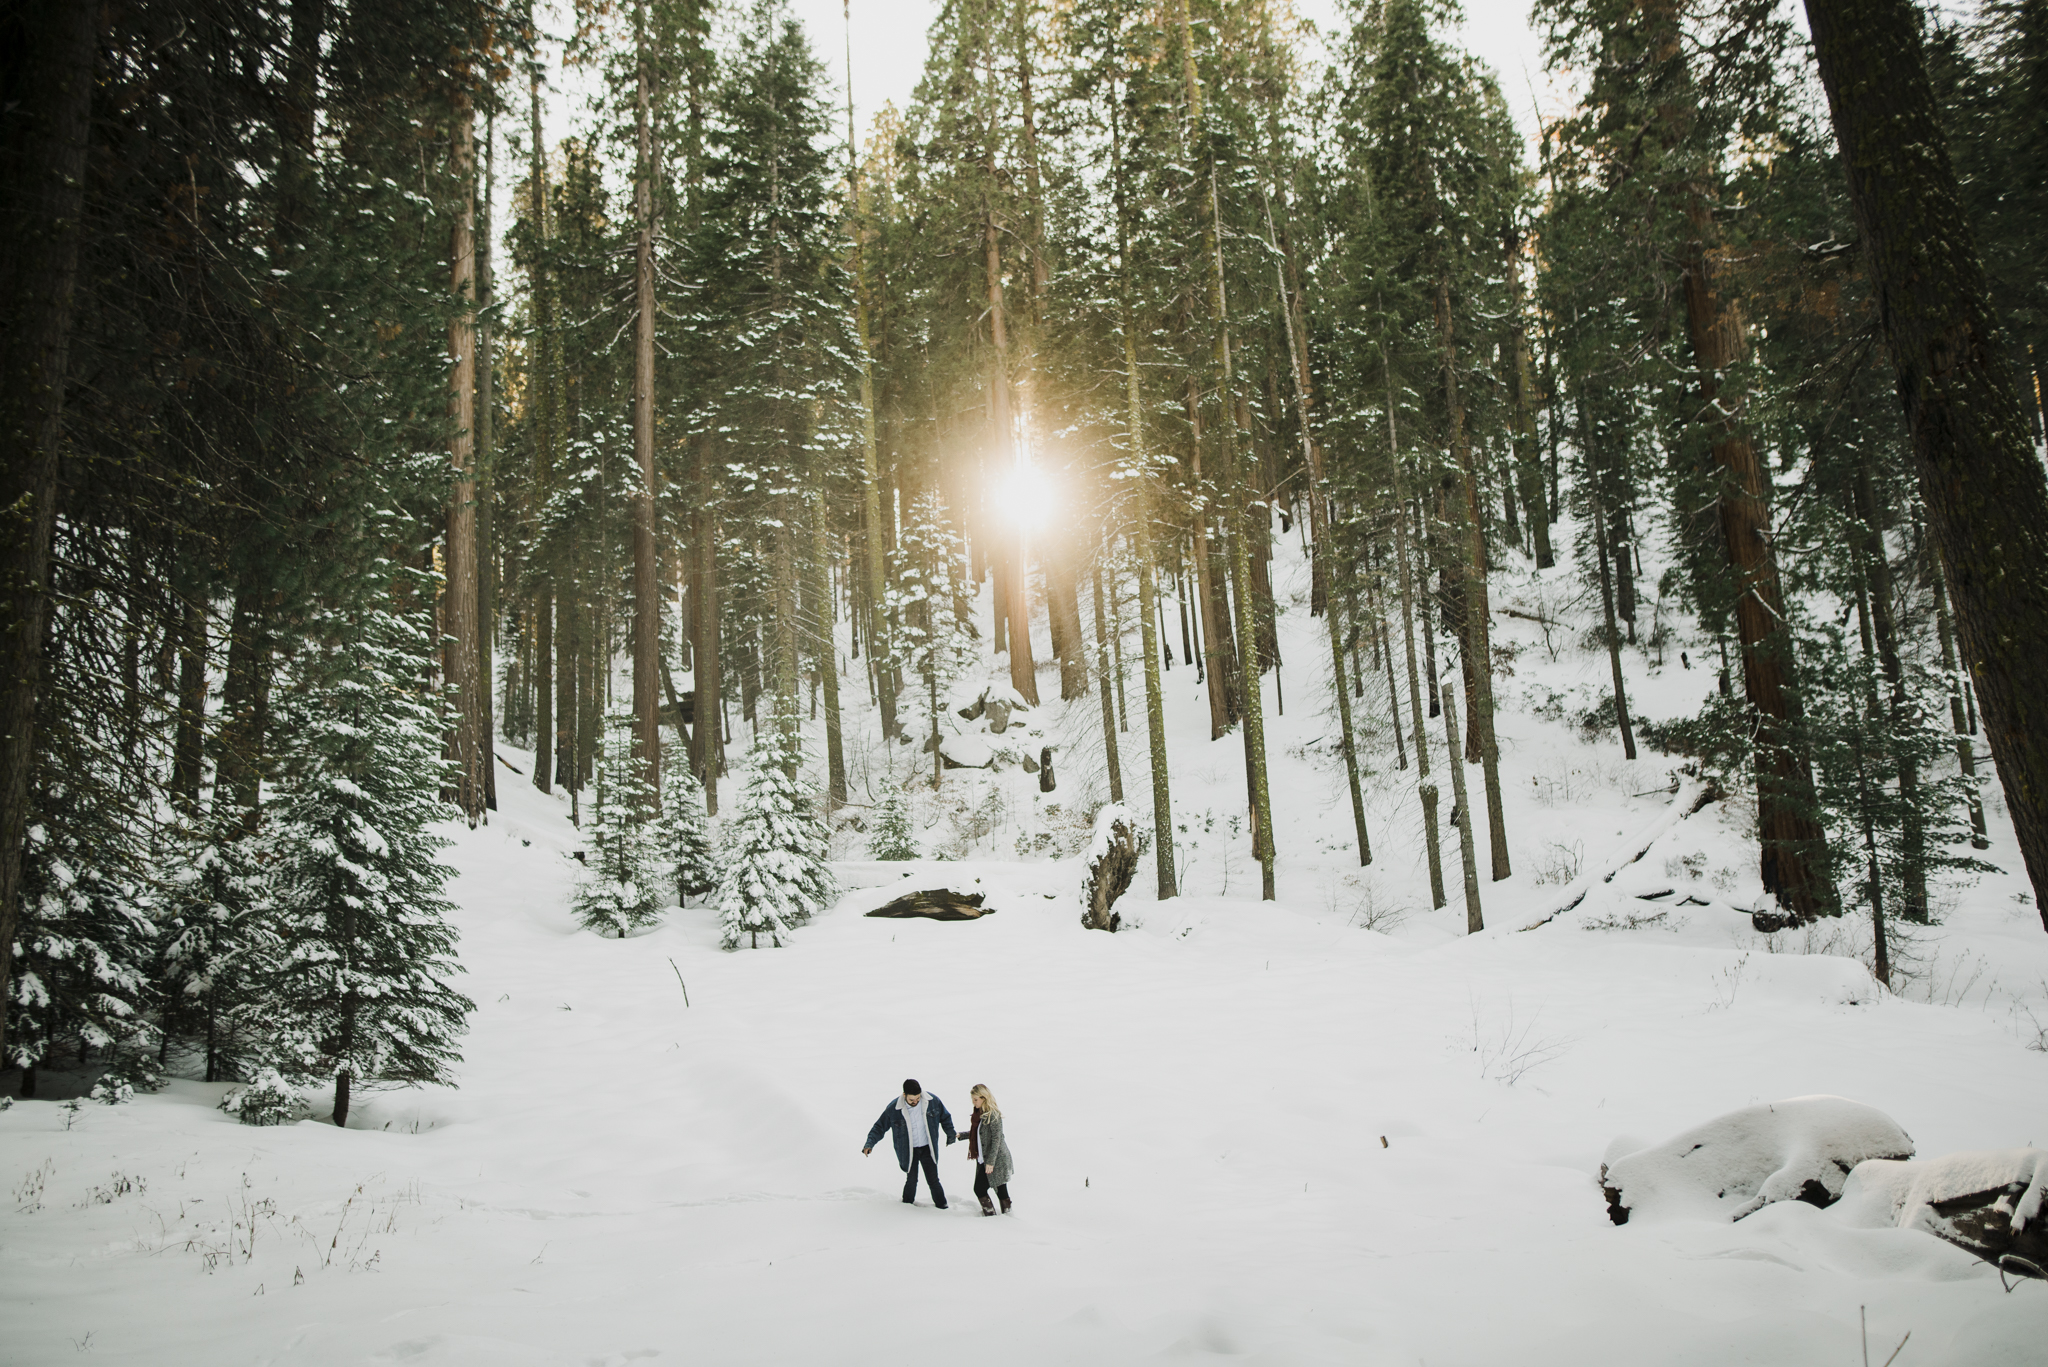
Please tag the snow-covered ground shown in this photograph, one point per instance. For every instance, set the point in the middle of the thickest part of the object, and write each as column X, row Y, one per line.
column 1262, row 1131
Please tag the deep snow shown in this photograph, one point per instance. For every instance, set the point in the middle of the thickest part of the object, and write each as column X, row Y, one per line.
column 1262, row 1131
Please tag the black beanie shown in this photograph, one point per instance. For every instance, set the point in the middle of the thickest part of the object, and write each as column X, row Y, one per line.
column 910, row 1087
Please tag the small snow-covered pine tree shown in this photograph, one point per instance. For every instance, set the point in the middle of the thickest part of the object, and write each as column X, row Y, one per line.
column 892, row 837
column 220, row 946
column 682, row 814
column 361, row 992
column 622, row 884
column 83, row 944
column 772, row 870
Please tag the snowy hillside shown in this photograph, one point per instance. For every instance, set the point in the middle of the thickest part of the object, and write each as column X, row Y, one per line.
column 1331, row 1129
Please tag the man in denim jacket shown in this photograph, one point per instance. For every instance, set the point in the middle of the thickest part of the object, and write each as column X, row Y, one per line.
column 912, row 1119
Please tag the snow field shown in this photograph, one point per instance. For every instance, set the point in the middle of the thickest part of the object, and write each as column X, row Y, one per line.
column 1196, row 1105
column 1196, row 1109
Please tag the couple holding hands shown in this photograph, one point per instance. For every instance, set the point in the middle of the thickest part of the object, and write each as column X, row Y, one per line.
column 914, row 1119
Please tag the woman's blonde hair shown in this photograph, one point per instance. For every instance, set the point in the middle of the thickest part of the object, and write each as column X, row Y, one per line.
column 988, row 1098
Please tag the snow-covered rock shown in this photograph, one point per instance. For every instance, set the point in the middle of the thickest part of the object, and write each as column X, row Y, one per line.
column 966, row 752
column 1802, row 1149
column 1989, row 1201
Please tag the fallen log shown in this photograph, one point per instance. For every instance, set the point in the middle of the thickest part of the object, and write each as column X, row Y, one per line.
column 937, row 904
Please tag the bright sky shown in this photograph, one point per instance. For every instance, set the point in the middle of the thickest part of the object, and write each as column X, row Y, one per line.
column 889, row 45
column 889, row 50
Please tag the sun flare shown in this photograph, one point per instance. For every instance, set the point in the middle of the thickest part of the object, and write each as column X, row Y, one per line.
column 1027, row 499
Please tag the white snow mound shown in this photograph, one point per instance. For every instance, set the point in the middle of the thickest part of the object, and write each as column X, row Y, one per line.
column 1883, row 1194
column 1802, row 1149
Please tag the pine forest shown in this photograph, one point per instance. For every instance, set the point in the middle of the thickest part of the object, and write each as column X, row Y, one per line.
column 520, row 513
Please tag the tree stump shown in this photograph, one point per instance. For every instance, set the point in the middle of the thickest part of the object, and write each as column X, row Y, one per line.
column 1112, row 863
column 937, row 904
column 1046, row 782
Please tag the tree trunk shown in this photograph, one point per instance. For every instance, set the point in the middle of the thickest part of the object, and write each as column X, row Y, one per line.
column 1432, row 843
column 460, row 655
column 1794, row 847
column 1321, row 548
column 486, row 464
column 1528, row 458
column 1477, row 637
column 710, row 730
column 48, row 92
column 1621, row 719
column 646, row 572
column 877, row 612
column 188, row 742
column 1987, row 499
column 1878, row 577
column 1461, row 808
column 545, row 413
column 1109, row 754
column 826, row 653
column 237, row 775
column 1966, row 752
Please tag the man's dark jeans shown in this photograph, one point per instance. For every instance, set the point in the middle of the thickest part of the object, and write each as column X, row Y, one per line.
column 921, row 1156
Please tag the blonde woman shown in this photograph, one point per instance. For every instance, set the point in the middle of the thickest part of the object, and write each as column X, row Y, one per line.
column 989, row 1151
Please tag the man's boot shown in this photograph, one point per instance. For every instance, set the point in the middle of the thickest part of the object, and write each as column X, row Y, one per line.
column 988, row 1207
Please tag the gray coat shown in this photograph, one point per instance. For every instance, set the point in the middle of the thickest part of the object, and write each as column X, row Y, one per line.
column 993, row 1147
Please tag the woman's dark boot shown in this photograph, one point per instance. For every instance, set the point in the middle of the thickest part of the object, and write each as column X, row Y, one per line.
column 1005, row 1198
column 987, row 1206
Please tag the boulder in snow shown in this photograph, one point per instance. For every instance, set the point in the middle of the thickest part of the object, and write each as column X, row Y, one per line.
column 1797, row 1150
column 1989, row 1202
column 965, row 752
column 1112, row 863
column 998, row 714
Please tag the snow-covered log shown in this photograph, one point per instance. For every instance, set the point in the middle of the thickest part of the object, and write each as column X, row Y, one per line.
column 1797, row 1150
column 1988, row 1201
column 1112, row 863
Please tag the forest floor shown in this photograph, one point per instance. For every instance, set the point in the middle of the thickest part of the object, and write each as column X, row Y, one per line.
column 1330, row 1129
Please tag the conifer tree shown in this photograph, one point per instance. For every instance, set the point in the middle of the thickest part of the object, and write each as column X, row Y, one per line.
column 687, row 841
column 220, row 948
column 621, row 887
column 772, row 872
column 892, row 837
column 362, row 992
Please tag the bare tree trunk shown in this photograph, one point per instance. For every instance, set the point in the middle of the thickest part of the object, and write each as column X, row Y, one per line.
column 1878, row 576
column 1477, row 637
column 1987, row 499
column 188, row 741
column 1528, row 458
column 1109, row 754
column 545, row 410
column 1023, row 670
column 1461, row 809
column 646, row 573
column 459, row 660
column 1621, row 719
column 709, row 711
column 1794, row 862
column 1432, row 843
column 826, row 653
column 1321, row 548
column 877, row 620
column 486, row 463
column 1966, row 752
